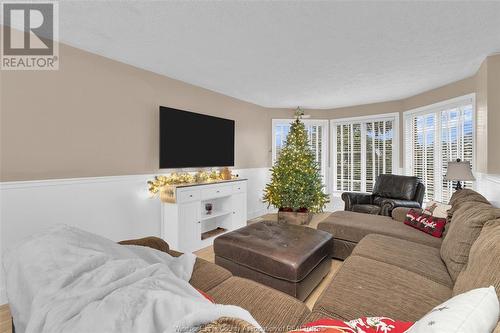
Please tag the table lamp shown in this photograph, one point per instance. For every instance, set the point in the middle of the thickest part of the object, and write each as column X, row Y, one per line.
column 459, row 171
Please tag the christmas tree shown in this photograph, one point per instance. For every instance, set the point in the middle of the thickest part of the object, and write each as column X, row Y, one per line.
column 296, row 183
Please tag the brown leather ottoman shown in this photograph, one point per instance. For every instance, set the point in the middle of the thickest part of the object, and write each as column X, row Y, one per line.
column 286, row 257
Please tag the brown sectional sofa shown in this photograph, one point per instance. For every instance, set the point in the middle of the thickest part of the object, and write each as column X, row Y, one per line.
column 349, row 228
column 273, row 309
column 388, row 272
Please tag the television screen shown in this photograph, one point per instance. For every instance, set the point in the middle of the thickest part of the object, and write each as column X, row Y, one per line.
column 189, row 140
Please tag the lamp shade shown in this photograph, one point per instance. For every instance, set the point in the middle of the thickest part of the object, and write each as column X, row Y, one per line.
column 459, row 171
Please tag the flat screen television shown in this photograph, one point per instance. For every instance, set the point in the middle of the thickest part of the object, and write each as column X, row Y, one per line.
column 193, row 140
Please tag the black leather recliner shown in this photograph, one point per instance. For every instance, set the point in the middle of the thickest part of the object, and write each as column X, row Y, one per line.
column 389, row 192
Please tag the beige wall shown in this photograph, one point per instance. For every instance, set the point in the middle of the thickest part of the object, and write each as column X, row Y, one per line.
column 482, row 117
column 98, row 117
column 452, row 90
column 493, row 114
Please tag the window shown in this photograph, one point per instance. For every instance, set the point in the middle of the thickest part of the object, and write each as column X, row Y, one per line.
column 362, row 149
column 435, row 135
column 318, row 139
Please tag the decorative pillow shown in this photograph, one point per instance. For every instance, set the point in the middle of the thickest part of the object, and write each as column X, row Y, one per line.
column 364, row 325
column 429, row 224
column 475, row 311
column 437, row 209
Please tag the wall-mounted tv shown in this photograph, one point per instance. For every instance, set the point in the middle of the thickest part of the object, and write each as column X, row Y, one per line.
column 193, row 140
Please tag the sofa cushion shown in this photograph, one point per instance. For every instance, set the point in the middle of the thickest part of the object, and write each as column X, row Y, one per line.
column 314, row 316
column 466, row 224
column 352, row 227
column 367, row 287
column 483, row 268
column 272, row 309
column 418, row 258
column 463, row 196
column 207, row 275
column 395, row 187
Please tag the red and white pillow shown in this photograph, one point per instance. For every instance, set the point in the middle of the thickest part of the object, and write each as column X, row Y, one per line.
column 427, row 223
column 365, row 325
column 432, row 220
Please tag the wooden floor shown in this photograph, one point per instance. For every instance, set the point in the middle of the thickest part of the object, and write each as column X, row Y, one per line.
column 208, row 254
column 5, row 322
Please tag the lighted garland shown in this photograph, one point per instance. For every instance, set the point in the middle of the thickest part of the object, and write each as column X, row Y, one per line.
column 179, row 178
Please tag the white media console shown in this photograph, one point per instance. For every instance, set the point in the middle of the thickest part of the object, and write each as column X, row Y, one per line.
column 186, row 224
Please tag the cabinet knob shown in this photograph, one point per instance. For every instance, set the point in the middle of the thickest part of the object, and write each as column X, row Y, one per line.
column 218, row 191
column 190, row 195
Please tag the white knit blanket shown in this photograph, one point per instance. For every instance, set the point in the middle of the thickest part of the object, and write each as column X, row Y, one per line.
column 69, row 280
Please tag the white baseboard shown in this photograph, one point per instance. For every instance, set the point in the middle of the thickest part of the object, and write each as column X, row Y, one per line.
column 489, row 186
column 260, row 212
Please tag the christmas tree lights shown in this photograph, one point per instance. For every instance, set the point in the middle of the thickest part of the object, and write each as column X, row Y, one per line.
column 296, row 183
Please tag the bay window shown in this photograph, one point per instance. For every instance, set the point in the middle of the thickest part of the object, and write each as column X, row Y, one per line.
column 435, row 135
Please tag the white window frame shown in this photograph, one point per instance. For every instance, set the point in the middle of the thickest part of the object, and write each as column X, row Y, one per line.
column 436, row 108
column 325, row 141
column 394, row 116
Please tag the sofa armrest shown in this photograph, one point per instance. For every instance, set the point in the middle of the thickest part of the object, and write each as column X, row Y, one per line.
column 152, row 242
column 387, row 205
column 399, row 213
column 356, row 198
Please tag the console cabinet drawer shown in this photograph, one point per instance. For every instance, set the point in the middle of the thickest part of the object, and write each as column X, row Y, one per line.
column 187, row 196
column 215, row 192
column 240, row 188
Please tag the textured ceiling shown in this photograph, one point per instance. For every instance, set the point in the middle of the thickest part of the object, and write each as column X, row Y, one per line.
column 284, row 54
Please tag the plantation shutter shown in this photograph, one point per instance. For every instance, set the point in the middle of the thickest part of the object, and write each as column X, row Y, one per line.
column 435, row 137
column 362, row 151
column 348, row 159
column 379, row 150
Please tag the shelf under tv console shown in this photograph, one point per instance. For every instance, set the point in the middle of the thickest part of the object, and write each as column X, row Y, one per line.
column 187, row 225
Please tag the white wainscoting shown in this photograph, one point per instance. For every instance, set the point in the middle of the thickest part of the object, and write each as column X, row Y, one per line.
column 489, row 186
column 117, row 207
